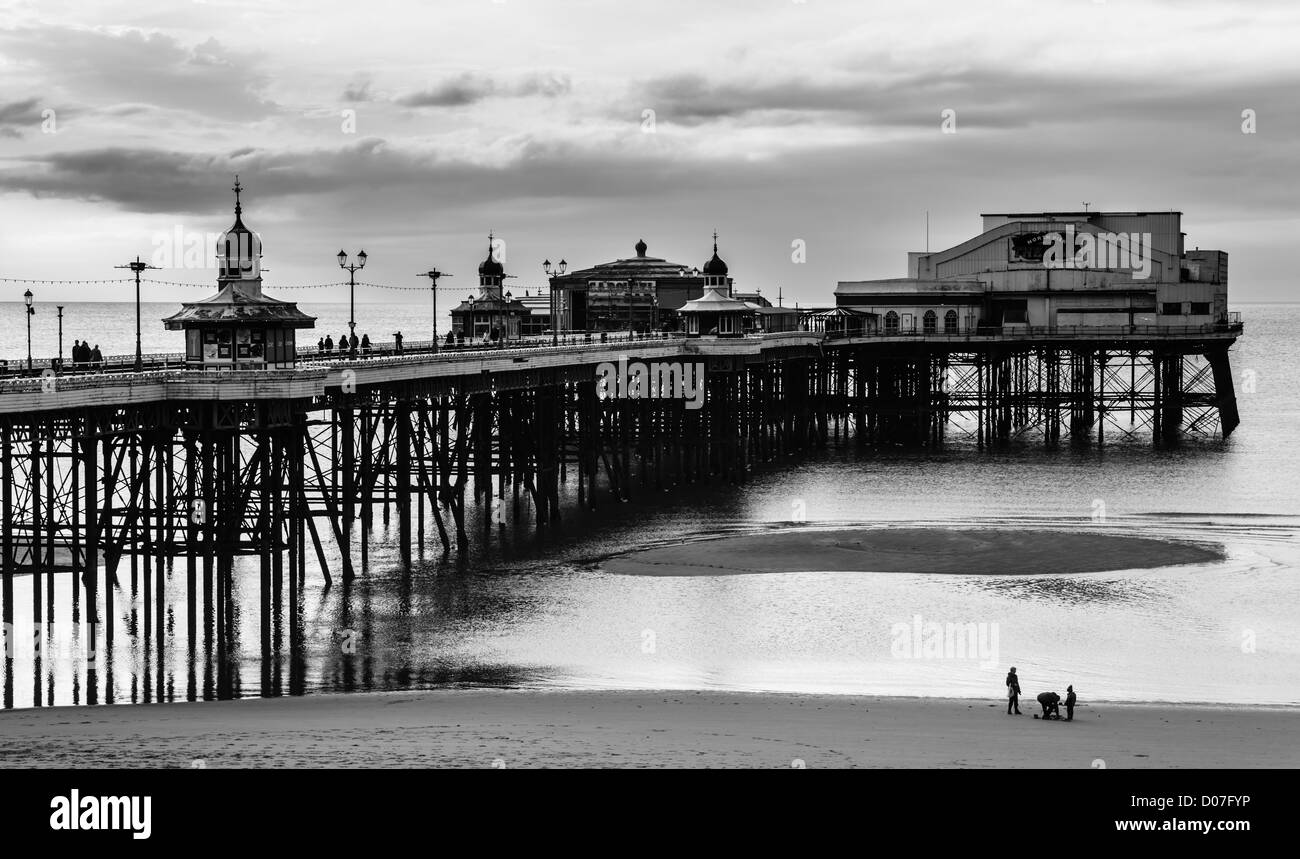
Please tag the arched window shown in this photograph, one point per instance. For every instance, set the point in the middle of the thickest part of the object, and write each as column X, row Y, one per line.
column 950, row 322
column 929, row 323
column 891, row 322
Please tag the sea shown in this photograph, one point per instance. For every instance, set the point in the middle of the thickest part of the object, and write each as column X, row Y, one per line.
column 520, row 611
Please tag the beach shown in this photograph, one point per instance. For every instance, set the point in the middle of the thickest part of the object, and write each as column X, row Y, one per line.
column 641, row 729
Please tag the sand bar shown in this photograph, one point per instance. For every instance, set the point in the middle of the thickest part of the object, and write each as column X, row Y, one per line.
column 982, row 551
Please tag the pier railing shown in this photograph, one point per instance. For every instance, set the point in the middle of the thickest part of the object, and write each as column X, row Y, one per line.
column 16, row 370
column 1046, row 332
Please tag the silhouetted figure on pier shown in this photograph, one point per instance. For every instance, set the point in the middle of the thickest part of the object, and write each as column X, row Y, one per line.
column 343, row 344
column 1051, row 704
column 1013, row 691
column 397, row 342
column 320, row 346
column 354, row 342
column 365, row 343
column 329, row 343
column 76, row 352
column 1069, row 703
column 451, row 338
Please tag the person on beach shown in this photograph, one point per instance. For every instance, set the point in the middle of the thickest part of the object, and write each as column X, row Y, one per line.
column 1051, row 704
column 1069, row 703
column 1013, row 691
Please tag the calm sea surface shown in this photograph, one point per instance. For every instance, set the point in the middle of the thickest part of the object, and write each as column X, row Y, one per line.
column 520, row 613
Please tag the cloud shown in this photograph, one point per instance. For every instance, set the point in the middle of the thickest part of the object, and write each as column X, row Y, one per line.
column 17, row 116
column 1002, row 99
column 471, row 87
column 99, row 69
column 358, row 89
column 461, row 90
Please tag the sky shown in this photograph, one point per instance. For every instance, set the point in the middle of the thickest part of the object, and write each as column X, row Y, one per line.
column 573, row 128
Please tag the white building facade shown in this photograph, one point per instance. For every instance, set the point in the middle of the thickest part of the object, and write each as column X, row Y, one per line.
column 1052, row 270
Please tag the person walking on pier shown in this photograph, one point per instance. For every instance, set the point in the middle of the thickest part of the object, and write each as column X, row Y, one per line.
column 365, row 343
column 1069, row 703
column 320, row 346
column 97, row 357
column 1013, row 691
column 397, row 342
column 354, row 342
column 329, row 343
column 343, row 344
column 76, row 352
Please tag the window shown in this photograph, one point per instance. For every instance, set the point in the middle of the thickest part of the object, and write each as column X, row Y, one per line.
column 891, row 322
column 1171, row 308
column 1200, row 308
column 929, row 323
column 950, row 322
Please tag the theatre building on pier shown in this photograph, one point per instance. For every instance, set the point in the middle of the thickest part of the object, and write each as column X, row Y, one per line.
column 1051, row 270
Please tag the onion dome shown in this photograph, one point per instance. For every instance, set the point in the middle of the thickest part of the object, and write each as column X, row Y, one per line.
column 715, row 267
column 640, row 247
column 239, row 250
column 491, row 267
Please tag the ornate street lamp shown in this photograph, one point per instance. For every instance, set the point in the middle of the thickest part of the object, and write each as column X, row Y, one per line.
column 352, row 270
column 27, row 297
column 553, row 273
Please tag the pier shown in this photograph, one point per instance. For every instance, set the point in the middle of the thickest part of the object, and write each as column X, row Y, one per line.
column 246, row 445
column 112, row 474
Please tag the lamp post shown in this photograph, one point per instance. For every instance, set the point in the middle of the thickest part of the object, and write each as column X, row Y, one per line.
column 473, row 321
column 27, row 298
column 352, row 269
column 136, row 266
column 505, row 316
column 553, row 273
column 60, row 309
column 433, row 275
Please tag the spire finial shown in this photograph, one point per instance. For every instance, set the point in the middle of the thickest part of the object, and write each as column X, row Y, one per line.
column 715, row 241
column 237, row 188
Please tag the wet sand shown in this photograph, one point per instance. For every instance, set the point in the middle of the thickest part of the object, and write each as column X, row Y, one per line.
column 463, row 728
column 913, row 550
